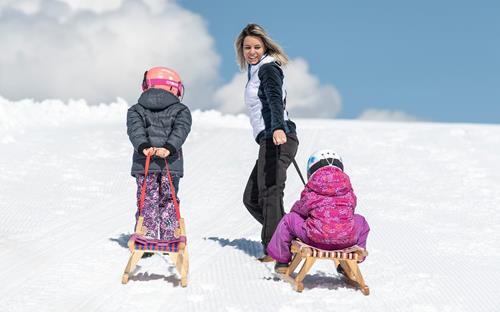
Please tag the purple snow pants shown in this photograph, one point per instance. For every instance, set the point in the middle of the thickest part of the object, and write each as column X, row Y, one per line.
column 158, row 211
column 291, row 226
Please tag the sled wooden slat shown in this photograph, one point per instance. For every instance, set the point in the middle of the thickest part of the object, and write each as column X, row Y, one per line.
column 346, row 258
column 158, row 245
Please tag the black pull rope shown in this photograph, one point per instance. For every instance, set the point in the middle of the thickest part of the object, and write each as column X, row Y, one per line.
column 298, row 171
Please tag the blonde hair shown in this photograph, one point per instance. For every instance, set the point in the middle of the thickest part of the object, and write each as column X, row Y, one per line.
column 271, row 47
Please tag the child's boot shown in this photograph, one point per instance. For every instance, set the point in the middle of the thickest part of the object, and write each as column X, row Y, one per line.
column 340, row 270
column 147, row 255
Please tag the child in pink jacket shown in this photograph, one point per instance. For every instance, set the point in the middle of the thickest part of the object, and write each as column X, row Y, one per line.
column 324, row 216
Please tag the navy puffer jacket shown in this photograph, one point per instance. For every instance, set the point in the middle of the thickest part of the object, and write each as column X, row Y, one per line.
column 159, row 119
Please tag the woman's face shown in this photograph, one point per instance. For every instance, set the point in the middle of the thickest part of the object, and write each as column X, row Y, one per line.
column 253, row 49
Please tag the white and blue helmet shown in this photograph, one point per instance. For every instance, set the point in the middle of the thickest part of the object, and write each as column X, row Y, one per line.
column 323, row 158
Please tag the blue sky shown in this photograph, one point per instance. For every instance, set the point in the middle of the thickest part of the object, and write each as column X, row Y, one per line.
column 434, row 60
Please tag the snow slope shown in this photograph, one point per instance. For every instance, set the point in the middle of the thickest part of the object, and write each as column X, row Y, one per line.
column 429, row 191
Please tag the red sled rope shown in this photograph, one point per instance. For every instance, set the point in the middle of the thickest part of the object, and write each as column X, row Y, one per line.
column 139, row 244
column 172, row 189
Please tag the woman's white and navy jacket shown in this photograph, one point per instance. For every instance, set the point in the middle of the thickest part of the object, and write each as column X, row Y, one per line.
column 265, row 98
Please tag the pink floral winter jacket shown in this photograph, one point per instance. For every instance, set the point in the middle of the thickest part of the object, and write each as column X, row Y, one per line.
column 327, row 204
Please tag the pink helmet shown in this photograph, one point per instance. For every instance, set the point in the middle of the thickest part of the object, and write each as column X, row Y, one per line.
column 163, row 78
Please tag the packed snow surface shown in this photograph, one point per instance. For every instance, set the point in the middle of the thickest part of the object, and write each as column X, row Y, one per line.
column 429, row 191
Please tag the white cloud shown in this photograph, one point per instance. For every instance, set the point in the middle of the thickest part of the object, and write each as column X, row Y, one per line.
column 98, row 50
column 386, row 115
column 98, row 6
column 230, row 97
column 26, row 6
column 306, row 97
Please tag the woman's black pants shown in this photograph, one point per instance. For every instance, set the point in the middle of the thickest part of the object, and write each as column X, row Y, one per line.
column 263, row 195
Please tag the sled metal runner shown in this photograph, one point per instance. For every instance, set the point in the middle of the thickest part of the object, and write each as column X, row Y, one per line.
column 138, row 244
column 346, row 258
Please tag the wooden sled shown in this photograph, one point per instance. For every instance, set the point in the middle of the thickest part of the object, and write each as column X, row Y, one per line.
column 346, row 258
column 138, row 244
column 176, row 249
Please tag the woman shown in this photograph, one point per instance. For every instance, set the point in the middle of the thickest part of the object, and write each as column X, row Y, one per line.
column 265, row 98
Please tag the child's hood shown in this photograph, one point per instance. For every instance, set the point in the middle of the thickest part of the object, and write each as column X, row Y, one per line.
column 157, row 99
column 329, row 181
